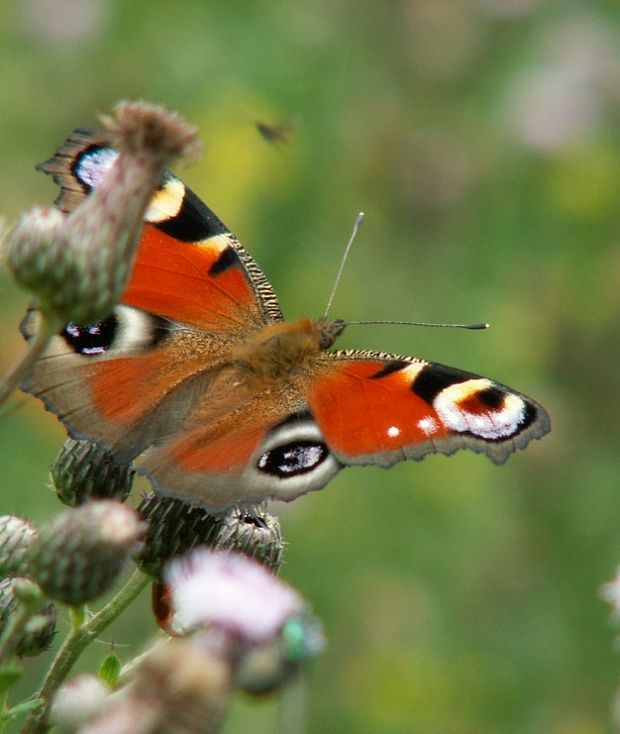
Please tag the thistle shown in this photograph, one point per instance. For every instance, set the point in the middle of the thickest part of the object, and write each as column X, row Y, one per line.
column 80, row 553
column 83, row 471
column 174, row 527
column 16, row 536
column 37, row 628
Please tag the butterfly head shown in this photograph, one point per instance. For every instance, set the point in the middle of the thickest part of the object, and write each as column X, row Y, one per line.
column 328, row 331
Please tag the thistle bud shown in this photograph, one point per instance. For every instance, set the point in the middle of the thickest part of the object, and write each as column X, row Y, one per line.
column 175, row 527
column 83, row 471
column 78, row 265
column 16, row 536
column 40, row 255
column 172, row 528
column 79, row 554
column 256, row 534
column 38, row 633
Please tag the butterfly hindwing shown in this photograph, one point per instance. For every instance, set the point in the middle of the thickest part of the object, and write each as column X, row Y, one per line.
column 352, row 407
column 268, row 447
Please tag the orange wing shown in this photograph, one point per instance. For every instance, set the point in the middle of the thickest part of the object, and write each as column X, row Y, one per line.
column 261, row 445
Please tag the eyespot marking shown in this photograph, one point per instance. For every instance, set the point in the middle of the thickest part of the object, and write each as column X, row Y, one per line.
column 125, row 327
column 92, row 339
column 293, row 459
column 90, row 167
column 479, row 407
column 492, row 397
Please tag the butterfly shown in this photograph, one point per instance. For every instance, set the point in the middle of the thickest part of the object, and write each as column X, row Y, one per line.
column 226, row 402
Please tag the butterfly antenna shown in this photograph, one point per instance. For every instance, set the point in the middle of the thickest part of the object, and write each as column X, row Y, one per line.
column 359, row 220
column 473, row 327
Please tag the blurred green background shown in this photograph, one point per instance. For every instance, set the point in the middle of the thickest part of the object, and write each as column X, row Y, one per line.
column 481, row 139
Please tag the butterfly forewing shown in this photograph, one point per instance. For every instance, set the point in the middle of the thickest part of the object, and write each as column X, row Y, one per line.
column 189, row 267
column 378, row 408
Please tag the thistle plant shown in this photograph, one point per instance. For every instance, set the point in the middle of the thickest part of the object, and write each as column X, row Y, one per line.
column 230, row 624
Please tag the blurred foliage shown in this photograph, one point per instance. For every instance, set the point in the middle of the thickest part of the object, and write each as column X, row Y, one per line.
column 481, row 139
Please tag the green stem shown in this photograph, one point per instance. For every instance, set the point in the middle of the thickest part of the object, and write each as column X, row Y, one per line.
column 4, row 698
column 50, row 326
column 75, row 643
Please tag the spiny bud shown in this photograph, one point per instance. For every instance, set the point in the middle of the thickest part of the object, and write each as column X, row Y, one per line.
column 148, row 129
column 172, row 528
column 16, row 535
column 79, row 554
column 256, row 534
column 41, row 257
column 195, row 686
column 78, row 265
column 28, row 594
column 83, row 470
column 38, row 632
column 175, row 527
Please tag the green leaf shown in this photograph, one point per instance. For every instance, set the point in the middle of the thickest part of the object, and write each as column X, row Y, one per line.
column 20, row 709
column 110, row 669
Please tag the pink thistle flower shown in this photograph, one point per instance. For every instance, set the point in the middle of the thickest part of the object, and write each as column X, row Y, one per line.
column 231, row 592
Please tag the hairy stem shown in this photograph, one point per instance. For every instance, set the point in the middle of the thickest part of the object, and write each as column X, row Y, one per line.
column 75, row 643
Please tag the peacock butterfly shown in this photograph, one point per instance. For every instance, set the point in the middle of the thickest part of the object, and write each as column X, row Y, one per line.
column 227, row 403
